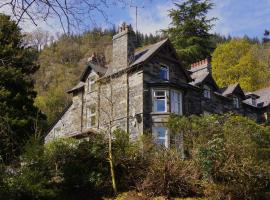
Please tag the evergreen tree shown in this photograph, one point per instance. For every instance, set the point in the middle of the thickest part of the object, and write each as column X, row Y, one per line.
column 189, row 31
column 18, row 115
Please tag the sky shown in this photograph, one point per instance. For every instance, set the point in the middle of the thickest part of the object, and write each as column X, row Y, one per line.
column 235, row 17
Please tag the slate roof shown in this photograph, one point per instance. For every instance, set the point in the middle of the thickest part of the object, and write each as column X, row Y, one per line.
column 198, row 79
column 229, row 89
column 145, row 53
column 79, row 86
column 264, row 96
column 140, row 56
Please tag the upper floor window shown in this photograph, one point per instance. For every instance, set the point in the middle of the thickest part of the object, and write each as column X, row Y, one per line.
column 206, row 92
column 91, row 116
column 176, row 102
column 161, row 136
column 254, row 101
column 164, row 72
column 160, row 100
column 236, row 103
column 91, row 83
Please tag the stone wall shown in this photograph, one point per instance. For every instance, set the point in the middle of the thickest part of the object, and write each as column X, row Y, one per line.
column 70, row 122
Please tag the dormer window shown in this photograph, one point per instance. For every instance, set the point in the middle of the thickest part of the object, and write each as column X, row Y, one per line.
column 236, row 103
column 164, row 73
column 206, row 92
column 254, row 101
column 91, row 83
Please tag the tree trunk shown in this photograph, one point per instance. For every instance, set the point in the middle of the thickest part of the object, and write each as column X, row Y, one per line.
column 112, row 164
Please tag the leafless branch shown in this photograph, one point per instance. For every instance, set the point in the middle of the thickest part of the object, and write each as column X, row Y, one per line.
column 69, row 13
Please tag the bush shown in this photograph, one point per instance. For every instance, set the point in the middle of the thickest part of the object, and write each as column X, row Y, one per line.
column 168, row 175
column 230, row 151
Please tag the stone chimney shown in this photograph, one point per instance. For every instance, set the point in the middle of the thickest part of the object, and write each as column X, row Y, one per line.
column 203, row 66
column 123, row 47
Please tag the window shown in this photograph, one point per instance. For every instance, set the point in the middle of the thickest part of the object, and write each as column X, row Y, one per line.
column 160, row 101
column 161, row 136
column 206, row 92
column 254, row 101
column 176, row 102
column 266, row 117
column 91, row 84
column 164, row 73
column 236, row 102
column 91, row 116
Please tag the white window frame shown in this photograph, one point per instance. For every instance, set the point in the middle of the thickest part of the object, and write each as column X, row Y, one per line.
column 166, row 137
column 160, row 97
column 91, row 83
column 207, row 92
column 89, row 116
column 167, row 70
column 236, row 102
column 176, row 99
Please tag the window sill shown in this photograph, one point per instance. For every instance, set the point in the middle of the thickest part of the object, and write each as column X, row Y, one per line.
column 160, row 113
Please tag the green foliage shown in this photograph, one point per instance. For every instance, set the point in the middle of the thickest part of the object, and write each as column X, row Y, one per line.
column 32, row 179
column 189, row 31
column 230, row 151
column 241, row 61
column 18, row 115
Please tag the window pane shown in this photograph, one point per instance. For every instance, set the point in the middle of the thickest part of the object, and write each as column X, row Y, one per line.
column 160, row 142
column 160, row 105
column 176, row 102
column 160, row 93
column 160, row 135
column 93, row 120
column 163, row 73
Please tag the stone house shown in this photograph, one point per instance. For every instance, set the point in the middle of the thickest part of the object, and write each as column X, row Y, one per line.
column 139, row 90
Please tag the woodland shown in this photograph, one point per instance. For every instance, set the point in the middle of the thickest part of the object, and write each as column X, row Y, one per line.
column 225, row 156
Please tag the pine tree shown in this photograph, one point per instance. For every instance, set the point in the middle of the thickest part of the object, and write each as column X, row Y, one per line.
column 18, row 115
column 189, row 31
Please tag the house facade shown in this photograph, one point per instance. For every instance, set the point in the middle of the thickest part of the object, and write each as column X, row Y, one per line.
column 139, row 90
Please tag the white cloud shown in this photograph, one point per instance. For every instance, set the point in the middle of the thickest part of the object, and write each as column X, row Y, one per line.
column 151, row 20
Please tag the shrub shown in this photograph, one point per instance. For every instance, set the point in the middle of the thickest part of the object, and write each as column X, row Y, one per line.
column 168, row 175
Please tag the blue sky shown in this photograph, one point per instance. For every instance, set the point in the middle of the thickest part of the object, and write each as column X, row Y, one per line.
column 235, row 17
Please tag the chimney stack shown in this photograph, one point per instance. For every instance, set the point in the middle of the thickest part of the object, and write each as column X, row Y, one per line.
column 202, row 65
column 123, row 47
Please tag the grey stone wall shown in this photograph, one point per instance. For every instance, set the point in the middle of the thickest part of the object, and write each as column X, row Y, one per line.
column 70, row 122
column 123, row 48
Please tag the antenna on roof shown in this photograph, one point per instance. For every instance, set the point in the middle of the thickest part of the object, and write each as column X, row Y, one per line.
column 136, row 9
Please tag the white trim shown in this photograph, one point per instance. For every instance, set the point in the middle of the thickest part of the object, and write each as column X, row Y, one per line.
column 89, row 116
column 156, row 97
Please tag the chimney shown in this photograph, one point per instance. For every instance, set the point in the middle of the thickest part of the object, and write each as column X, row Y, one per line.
column 202, row 66
column 123, row 47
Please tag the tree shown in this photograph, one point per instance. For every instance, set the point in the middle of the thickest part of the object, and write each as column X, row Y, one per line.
column 189, row 31
column 68, row 13
column 37, row 39
column 241, row 61
column 18, row 115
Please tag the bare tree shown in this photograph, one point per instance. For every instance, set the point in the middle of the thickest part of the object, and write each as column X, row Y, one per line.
column 38, row 39
column 68, row 12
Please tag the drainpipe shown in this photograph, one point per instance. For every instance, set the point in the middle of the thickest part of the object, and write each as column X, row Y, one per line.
column 82, row 111
column 127, row 82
